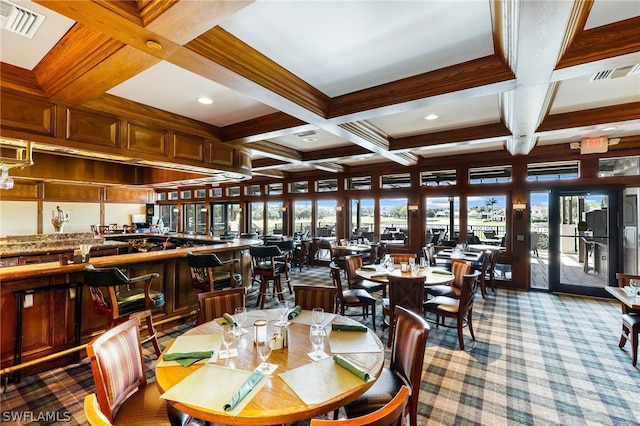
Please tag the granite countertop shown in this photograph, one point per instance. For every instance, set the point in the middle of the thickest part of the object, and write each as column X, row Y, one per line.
column 42, row 243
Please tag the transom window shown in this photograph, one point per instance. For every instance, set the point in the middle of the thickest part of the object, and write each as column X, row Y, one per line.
column 622, row 166
column 499, row 174
column 359, row 183
column 402, row 180
column 438, row 178
column 326, row 185
column 553, row 171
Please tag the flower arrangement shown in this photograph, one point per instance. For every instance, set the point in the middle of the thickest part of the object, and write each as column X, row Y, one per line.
column 59, row 218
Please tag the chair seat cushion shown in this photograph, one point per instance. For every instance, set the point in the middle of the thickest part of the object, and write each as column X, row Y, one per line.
column 221, row 280
column 357, row 296
column 377, row 396
column 631, row 320
column 439, row 290
column 442, row 303
column 367, row 285
column 130, row 301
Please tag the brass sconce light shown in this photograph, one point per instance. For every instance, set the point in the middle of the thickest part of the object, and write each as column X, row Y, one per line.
column 519, row 207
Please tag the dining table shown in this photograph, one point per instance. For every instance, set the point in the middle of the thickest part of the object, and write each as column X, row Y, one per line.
column 380, row 273
column 631, row 301
column 303, row 385
column 448, row 255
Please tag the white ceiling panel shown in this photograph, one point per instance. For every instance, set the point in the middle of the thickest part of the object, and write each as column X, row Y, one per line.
column 320, row 140
column 605, row 12
column 330, row 45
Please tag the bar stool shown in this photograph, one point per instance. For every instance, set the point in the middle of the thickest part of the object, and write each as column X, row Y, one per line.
column 129, row 301
column 204, row 276
column 265, row 266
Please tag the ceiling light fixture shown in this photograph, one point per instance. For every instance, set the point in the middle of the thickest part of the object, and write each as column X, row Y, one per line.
column 23, row 158
column 309, row 140
column 431, row 117
column 204, row 100
column 153, row 45
column 608, row 129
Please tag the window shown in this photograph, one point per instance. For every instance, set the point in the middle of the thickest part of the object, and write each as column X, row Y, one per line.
column 274, row 218
column 215, row 192
column 359, row 183
column 500, row 174
column 395, row 181
column 443, row 218
column 327, row 185
column 438, row 178
column 299, row 187
column 302, row 217
column 257, row 218
column 393, row 220
column 225, row 218
column 162, row 196
column 486, row 218
column 362, row 218
column 252, row 190
column 195, row 217
column 200, row 193
column 233, row 191
column 185, row 195
column 169, row 216
column 172, row 195
column 274, row 189
column 623, row 166
column 326, row 218
column 553, row 171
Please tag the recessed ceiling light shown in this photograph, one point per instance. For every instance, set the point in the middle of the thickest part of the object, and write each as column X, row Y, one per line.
column 608, row 129
column 310, row 139
column 204, row 100
column 431, row 117
column 153, row 45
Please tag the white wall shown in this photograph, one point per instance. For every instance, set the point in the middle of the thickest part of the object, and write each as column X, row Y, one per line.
column 121, row 213
column 81, row 216
column 19, row 218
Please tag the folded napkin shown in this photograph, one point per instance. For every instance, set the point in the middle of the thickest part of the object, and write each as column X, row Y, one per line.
column 244, row 389
column 345, row 363
column 369, row 268
column 380, row 275
column 185, row 359
column 229, row 319
column 295, row 312
column 348, row 327
column 440, row 272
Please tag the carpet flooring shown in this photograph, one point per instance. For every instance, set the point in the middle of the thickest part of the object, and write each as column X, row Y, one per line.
column 538, row 359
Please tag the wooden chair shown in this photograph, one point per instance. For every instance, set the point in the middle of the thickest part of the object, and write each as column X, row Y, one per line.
column 301, row 254
column 215, row 304
column 429, row 254
column 129, row 299
column 630, row 320
column 399, row 258
column 406, row 292
column 353, row 298
column 351, row 264
column 309, row 297
column 267, row 268
column 405, row 368
column 314, row 251
column 459, row 308
column 484, row 276
column 123, row 395
column 284, row 262
column 491, row 269
column 338, row 255
column 204, row 275
column 459, row 268
column 392, row 414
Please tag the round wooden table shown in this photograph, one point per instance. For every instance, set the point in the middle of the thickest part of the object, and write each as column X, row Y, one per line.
column 430, row 277
column 275, row 402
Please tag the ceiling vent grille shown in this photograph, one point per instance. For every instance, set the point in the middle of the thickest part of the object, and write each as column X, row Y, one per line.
column 19, row 20
column 634, row 70
column 602, row 75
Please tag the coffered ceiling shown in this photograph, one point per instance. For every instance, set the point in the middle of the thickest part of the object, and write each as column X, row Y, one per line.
column 326, row 85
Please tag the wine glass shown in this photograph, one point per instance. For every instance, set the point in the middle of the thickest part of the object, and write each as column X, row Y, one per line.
column 283, row 309
column 635, row 286
column 264, row 351
column 228, row 334
column 317, row 315
column 240, row 315
column 391, row 265
column 316, row 335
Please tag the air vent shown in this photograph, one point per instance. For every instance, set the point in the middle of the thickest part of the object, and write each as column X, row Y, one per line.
column 19, row 20
column 634, row 70
column 602, row 75
column 305, row 134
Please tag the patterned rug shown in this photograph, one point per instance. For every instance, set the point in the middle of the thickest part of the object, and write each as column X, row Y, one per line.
column 538, row 359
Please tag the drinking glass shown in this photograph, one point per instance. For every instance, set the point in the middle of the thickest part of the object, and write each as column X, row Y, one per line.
column 264, row 351
column 317, row 315
column 240, row 315
column 391, row 265
column 228, row 334
column 635, row 285
column 316, row 335
column 283, row 309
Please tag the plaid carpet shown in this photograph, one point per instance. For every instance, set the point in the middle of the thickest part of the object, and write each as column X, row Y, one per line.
column 539, row 359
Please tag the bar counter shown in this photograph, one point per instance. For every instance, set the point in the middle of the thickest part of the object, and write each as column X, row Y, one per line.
column 52, row 320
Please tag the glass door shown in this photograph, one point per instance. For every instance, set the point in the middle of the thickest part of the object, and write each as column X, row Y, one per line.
column 583, row 241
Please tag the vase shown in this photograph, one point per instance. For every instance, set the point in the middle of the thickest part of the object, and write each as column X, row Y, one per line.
column 59, row 228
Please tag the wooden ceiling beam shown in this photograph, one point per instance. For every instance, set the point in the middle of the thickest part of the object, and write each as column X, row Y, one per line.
column 483, row 132
column 266, row 127
column 591, row 117
column 278, row 152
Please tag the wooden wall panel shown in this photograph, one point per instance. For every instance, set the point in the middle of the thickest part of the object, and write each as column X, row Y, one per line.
column 28, row 115
column 92, row 128
column 147, row 139
column 133, row 195
column 22, row 190
column 221, row 154
column 187, row 147
column 57, row 191
column 244, row 160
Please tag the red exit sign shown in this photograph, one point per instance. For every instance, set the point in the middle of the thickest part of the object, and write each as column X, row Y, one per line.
column 594, row 145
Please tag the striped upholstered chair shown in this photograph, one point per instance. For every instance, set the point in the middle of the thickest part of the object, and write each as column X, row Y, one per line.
column 215, row 304
column 309, row 297
column 122, row 392
column 407, row 358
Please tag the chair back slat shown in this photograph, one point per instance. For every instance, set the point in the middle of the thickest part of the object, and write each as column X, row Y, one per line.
column 309, row 297
column 215, row 304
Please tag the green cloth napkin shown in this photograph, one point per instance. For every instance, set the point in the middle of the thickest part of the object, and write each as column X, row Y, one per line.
column 369, row 268
column 380, row 275
column 185, row 359
column 295, row 312
column 244, row 389
column 345, row 363
column 348, row 327
column 440, row 271
column 229, row 319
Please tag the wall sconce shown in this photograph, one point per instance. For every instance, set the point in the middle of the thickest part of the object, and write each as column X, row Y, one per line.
column 413, row 208
column 176, row 210
column 338, row 209
column 23, row 158
column 283, row 209
column 203, row 210
column 519, row 208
